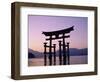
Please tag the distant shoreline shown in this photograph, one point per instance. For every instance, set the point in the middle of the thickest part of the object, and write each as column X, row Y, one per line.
column 56, row 56
column 72, row 52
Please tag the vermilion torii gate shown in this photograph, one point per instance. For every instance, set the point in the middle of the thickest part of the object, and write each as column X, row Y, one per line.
column 54, row 35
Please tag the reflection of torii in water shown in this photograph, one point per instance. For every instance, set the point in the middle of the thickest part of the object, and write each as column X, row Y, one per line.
column 61, row 44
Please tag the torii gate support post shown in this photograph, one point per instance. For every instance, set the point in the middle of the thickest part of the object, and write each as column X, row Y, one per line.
column 68, row 54
column 54, row 54
column 50, row 51
column 45, row 57
column 60, row 56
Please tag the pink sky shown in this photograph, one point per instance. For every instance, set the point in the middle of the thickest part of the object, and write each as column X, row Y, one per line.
column 37, row 24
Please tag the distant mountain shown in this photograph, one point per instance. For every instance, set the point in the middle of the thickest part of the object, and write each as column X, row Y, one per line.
column 30, row 55
column 76, row 52
column 36, row 53
column 72, row 51
column 83, row 51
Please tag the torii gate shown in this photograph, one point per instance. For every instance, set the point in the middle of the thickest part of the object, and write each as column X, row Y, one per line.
column 61, row 44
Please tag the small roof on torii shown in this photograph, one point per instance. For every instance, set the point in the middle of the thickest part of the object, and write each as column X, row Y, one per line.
column 67, row 30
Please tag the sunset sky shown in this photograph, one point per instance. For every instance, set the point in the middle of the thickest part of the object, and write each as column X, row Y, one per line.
column 39, row 23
